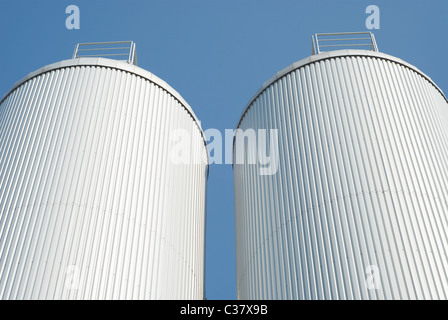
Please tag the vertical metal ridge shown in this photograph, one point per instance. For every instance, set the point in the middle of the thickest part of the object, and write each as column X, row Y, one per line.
column 362, row 181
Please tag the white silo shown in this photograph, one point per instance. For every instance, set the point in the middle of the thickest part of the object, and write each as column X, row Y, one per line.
column 93, row 204
column 358, row 207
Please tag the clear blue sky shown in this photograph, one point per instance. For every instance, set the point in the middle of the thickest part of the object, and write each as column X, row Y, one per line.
column 217, row 54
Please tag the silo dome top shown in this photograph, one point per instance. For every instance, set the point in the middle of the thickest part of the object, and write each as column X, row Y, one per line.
column 113, row 64
column 333, row 55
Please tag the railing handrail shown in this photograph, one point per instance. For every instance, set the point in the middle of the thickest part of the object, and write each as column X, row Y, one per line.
column 348, row 41
column 118, row 51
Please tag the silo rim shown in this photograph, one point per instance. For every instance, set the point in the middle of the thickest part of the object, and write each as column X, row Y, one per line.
column 329, row 55
column 113, row 64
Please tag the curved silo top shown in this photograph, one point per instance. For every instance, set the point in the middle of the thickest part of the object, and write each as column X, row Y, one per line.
column 333, row 55
column 122, row 65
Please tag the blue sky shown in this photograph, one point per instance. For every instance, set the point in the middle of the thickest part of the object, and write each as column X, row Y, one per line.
column 217, row 54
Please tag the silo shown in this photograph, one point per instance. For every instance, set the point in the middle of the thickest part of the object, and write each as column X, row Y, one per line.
column 94, row 202
column 357, row 206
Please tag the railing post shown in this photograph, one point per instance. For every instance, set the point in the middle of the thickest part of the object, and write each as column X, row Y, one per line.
column 75, row 53
column 375, row 46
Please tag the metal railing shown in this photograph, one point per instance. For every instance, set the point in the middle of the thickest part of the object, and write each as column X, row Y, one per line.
column 347, row 41
column 114, row 49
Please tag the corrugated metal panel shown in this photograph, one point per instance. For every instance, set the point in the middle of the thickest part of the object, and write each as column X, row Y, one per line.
column 362, row 181
column 91, row 205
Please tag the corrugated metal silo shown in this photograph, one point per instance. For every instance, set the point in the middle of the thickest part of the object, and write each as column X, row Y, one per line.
column 358, row 208
column 92, row 204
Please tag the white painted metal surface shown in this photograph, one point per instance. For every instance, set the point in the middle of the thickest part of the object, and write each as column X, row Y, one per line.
column 91, row 207
column 359, row 206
